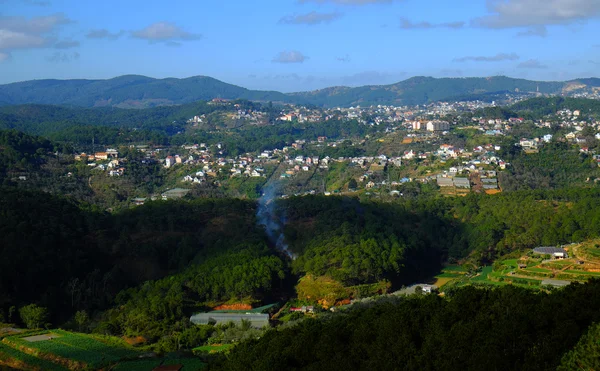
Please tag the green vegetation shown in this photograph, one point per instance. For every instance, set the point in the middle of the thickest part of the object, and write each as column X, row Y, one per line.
column 586, row 354
column 128, row 91
column 33, row 316
column 549, row 106
column 139, row 91
column 555, row 166
column 213, row 348
column 79, row 347
column 530, row 331
column 14, row 358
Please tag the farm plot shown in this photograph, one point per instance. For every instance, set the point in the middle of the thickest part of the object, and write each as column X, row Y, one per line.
column 586, row 273
column 189, row 364
column 80, row 347
column 538, row 270
column 19, row 360
column 137, row 365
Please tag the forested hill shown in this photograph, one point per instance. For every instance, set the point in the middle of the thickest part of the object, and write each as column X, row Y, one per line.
column 130, row 91
column 420, row 90
column 508, row 328
column 134, row 91
column 44, row 119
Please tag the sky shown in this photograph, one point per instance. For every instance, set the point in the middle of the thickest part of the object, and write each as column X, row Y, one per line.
column 299, row 45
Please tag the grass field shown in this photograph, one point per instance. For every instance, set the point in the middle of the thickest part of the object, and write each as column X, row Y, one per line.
column 454, row 268
column 483, row 276
column 440, row 282
column 557, row 264
column 448, row 275
column 189, row 364
column 572, row 271
column 538, row 270
column 590, row 249
column 137, row 365
column 19, row 360
column 80, row 347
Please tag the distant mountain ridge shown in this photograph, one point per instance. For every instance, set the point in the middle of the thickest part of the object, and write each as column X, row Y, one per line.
column 134, row 91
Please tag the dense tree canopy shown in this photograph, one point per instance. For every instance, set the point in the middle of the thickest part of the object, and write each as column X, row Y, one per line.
column 498, row 329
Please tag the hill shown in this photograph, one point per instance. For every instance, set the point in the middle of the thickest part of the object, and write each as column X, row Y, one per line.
column 132, row 91
column 420, row 90
column 504, row 329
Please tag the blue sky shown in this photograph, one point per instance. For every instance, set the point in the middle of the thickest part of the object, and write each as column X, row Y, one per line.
column 295, row 45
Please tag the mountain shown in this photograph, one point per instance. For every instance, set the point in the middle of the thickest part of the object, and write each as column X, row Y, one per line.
column 134, row 91
column 420, row 90
column 130, row 91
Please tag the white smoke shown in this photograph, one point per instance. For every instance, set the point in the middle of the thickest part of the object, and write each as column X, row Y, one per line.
column 269, row 218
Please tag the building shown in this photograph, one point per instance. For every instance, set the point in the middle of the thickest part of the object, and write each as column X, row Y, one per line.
column 169, row 161
column 428, row 289
column 438, row 126
column 462, row 183
column 101, row 156
column 112, row 152
column 555, row 252
column 445, row 182
column 138, row 201
column 175, row 193
column 555, row 283
column 257, row 320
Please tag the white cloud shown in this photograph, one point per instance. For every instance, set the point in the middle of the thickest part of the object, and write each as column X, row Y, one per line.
column 406, row 24
column 345, row 58
column 526, row 13
column 311, row 18
column 4, row 57
column 289, row 57
column 10, row 40
column 35, row 25
column 164, row 31
column 104, row 34
column 496, row 58
column 22, row 33
column 532, row 64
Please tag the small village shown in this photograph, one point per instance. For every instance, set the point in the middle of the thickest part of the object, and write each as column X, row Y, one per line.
column 408, row 138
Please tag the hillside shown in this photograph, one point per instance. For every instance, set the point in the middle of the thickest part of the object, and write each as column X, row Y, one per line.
column 419, row 90
column 130, row 91
column 134, row 91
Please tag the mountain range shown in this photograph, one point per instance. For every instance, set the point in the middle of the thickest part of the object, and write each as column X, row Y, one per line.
column 133, row 91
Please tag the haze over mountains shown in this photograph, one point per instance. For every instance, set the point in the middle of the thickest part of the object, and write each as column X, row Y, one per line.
column 133, row 91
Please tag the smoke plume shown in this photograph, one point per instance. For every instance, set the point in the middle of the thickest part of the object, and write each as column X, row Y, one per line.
column 268, row 217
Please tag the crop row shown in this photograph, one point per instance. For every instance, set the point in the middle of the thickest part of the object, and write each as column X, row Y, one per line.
column 10, row 355
column 81, row 348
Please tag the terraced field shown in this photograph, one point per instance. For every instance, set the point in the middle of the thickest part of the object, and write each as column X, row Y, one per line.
column 66, row 350
column 74, row 351
column 16, row 359
column 189, row 364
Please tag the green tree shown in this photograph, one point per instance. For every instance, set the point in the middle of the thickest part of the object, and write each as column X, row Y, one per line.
column 33, row 315
column 11, row 312
column 352, row 184
column 81, row 318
